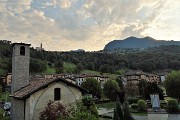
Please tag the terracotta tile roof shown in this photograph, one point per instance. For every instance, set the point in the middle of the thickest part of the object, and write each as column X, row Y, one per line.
column 38, row 84
column 134, row 72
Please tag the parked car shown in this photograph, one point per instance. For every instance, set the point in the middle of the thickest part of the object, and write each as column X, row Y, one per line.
column 7, row 106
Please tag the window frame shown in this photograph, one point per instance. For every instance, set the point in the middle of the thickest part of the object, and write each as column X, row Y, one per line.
column 57, row 94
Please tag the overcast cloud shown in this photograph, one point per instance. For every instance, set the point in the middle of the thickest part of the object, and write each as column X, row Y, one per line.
column 87, row 24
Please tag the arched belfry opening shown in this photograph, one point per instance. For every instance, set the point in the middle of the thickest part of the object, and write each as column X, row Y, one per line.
column 22, row 50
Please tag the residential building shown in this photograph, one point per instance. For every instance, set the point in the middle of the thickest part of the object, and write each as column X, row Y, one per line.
column 131, row 79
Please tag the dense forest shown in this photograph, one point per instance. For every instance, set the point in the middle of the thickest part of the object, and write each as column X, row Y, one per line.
column 150, row 59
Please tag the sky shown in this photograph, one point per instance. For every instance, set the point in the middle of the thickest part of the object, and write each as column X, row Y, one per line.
column 63, row 25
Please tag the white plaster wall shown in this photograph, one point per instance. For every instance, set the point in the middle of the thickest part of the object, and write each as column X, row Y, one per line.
column 39, row 100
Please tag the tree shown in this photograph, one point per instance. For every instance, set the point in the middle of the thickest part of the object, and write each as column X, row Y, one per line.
column 89, row 103
column 111, row 89
column 59, row 66
column 172, row 84
column 79, row 68
column 150, row 88
column 37, row 65
column 90, row 66
column 93, row 86
column 127, row 114
column 121, row 112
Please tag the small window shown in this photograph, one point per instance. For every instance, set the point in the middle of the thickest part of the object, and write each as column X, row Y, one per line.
column 57, row 94
column 22, row 50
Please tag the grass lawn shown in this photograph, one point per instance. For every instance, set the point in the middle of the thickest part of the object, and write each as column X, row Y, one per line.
column 107, row 105
column 69, row 67
column 50, row 70
column 138, row 113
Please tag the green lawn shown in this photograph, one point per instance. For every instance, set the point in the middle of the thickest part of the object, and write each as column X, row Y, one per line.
column 69, row 67
column 107, row 105
column 50, row 70
column 90, row 72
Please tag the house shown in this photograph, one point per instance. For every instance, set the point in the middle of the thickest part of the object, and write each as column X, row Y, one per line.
column 82, row 77
column 162, row 76
column 152, row 78
column 8, row 79
column 30, row 96
column 131, row 79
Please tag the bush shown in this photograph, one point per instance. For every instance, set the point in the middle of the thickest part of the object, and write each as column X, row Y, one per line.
column 89, row 103
column 53, row 110
column 132, row 100
column 172, row 106
column 134, row 106
column 141, row 105
column 1, row 113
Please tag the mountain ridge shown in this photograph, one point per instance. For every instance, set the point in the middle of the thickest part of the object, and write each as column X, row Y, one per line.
column 134, row 42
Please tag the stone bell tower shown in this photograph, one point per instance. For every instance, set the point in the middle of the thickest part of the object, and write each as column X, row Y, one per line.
column 20, row 66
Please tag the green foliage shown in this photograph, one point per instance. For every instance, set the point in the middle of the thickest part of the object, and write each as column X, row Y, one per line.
column 89, row 103
column 37, row 65
column 162, row 57
column 134, row 106
column 59, row 66
column 172, row 106
column 147, row 88
column 5, row 97
column 69, row 67
column 0, row 91
column 127, row 114
column 111, row 89
column 116, row 117
column 1, row 113
column 121, row 112
column 172, row 84
column 141, row 105
column 93, row 86
column 132, row 100
column 108, row 105
column 80, row 113
column 78, row 68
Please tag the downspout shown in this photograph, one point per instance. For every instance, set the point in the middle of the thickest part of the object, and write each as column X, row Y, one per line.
column 24, row 109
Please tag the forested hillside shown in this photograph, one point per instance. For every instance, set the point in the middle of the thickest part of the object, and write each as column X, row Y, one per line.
column 133, row 42
column 163, row 57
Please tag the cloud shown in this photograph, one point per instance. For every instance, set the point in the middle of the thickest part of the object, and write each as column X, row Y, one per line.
column 87, row 24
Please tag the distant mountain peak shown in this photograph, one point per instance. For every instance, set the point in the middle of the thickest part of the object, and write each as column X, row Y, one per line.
column 134, row 42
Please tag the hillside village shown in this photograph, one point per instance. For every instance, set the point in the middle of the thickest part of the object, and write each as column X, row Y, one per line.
column 30, row 92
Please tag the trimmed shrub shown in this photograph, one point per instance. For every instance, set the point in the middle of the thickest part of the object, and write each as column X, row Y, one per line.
column 172, row 106
column 132, row 100
column 141, row 105
column 134, row 106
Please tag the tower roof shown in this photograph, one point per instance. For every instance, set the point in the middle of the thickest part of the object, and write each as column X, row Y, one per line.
column 21, row 44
